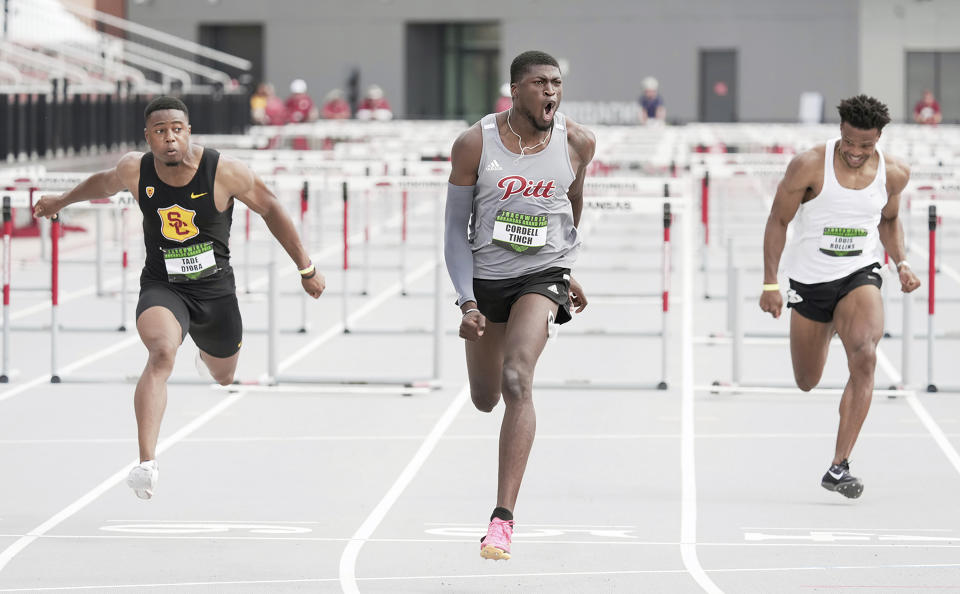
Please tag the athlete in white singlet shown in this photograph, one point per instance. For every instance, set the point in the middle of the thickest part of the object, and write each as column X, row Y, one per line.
column 845, row 195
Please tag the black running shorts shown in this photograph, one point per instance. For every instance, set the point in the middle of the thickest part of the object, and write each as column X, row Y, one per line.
column 817, row 301
column 496, row 297
column 213, row 324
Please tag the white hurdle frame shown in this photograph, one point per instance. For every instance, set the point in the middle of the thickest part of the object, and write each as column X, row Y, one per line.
column 667, row 206
column 24, row 193
column 934, row 211
column 120, row 201
column 403, row 384
column 8, row 202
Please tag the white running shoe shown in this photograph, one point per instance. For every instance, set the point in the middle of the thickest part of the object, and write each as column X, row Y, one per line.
column 143, row 478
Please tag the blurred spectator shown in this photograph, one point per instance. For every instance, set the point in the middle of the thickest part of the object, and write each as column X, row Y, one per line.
column 275, row 112
column 266, row 109
column 927, row 110
column 652, row 109
column 335, row 107
column 258, row 105
column 374, row 106
column 300, row 107
column 505, row 100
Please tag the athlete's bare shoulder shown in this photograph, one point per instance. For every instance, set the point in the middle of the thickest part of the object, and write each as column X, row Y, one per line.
column 468, row 143
column 233, row 175
column 128, row 170
column 230, row 163
column 898, row 174
column 465, row 156
column 582, row 140
column 807, row 167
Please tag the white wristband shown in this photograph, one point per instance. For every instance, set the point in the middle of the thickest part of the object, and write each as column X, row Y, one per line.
column 902, row 263
column 471, row 310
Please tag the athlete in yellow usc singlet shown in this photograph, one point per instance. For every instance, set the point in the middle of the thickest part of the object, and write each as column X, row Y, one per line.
column 186, row 195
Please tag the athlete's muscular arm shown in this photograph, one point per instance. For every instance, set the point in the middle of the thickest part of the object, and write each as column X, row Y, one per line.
column 465, row 160
column 799, row 179
column 465, row 156
column 583, row 145
column 235, row 179
column 890, row 227
column 125, row 175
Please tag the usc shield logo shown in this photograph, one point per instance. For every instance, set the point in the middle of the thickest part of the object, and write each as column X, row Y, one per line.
column 149, row 191
column 177, row 223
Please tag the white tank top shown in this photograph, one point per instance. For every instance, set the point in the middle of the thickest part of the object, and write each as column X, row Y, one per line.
column 522, row 219
column 835, row 233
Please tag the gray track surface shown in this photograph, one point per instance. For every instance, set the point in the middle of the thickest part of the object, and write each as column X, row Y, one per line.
column 267, row 492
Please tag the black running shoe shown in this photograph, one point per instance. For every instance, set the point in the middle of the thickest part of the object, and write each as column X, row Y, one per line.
column 839, row 479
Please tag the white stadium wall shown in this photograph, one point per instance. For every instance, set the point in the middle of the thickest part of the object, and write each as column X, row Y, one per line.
column 891, row 28
column 784, row 47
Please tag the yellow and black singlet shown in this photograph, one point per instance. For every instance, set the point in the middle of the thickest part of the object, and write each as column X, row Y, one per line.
column 187, row 239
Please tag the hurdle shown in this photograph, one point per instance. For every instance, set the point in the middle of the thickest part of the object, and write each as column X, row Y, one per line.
column 934, row 210
column 931, row 292
column 22, row 199
column 668, row 206
column 25, row 193
column 364, row 185
column 7, row 266
column 121, row 200
column 736, row 383
column 402, row 385
column 59, row 182
column 302, row 214
column 738, row 337
column 626, row 196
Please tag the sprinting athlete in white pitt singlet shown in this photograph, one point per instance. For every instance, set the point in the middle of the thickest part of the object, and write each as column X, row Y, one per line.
column 519, row 173
column 846, row 196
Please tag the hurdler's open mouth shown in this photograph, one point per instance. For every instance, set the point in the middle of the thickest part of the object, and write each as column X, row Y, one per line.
column 548, row 110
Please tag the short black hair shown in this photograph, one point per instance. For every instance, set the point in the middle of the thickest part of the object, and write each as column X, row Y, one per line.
column 863, row 112
column 524, row 61
column 165, row 102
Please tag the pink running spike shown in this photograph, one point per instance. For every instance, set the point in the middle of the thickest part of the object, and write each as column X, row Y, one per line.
column 496, row 544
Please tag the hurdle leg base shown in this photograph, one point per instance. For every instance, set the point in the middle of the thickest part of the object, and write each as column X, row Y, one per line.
column 4, row 379
column 662, row 386
column 932, row 388
column 122, row 328
column 54, row 379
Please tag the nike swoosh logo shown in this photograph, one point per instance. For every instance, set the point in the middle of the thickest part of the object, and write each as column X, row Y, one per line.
column 192, row 195
column 836, row 477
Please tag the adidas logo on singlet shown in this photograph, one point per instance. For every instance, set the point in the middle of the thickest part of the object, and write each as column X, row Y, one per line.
column 494, row 166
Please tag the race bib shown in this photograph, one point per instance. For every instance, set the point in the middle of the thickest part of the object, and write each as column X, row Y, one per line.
column 842, row 241
column 189, row 263
column 524, row 234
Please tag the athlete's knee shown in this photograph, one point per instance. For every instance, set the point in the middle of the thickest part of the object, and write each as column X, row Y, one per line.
column 806, row 381
column 516, row 380
column 485, row 400
column 160, row 358
column 224, row 378
column 862, row 356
